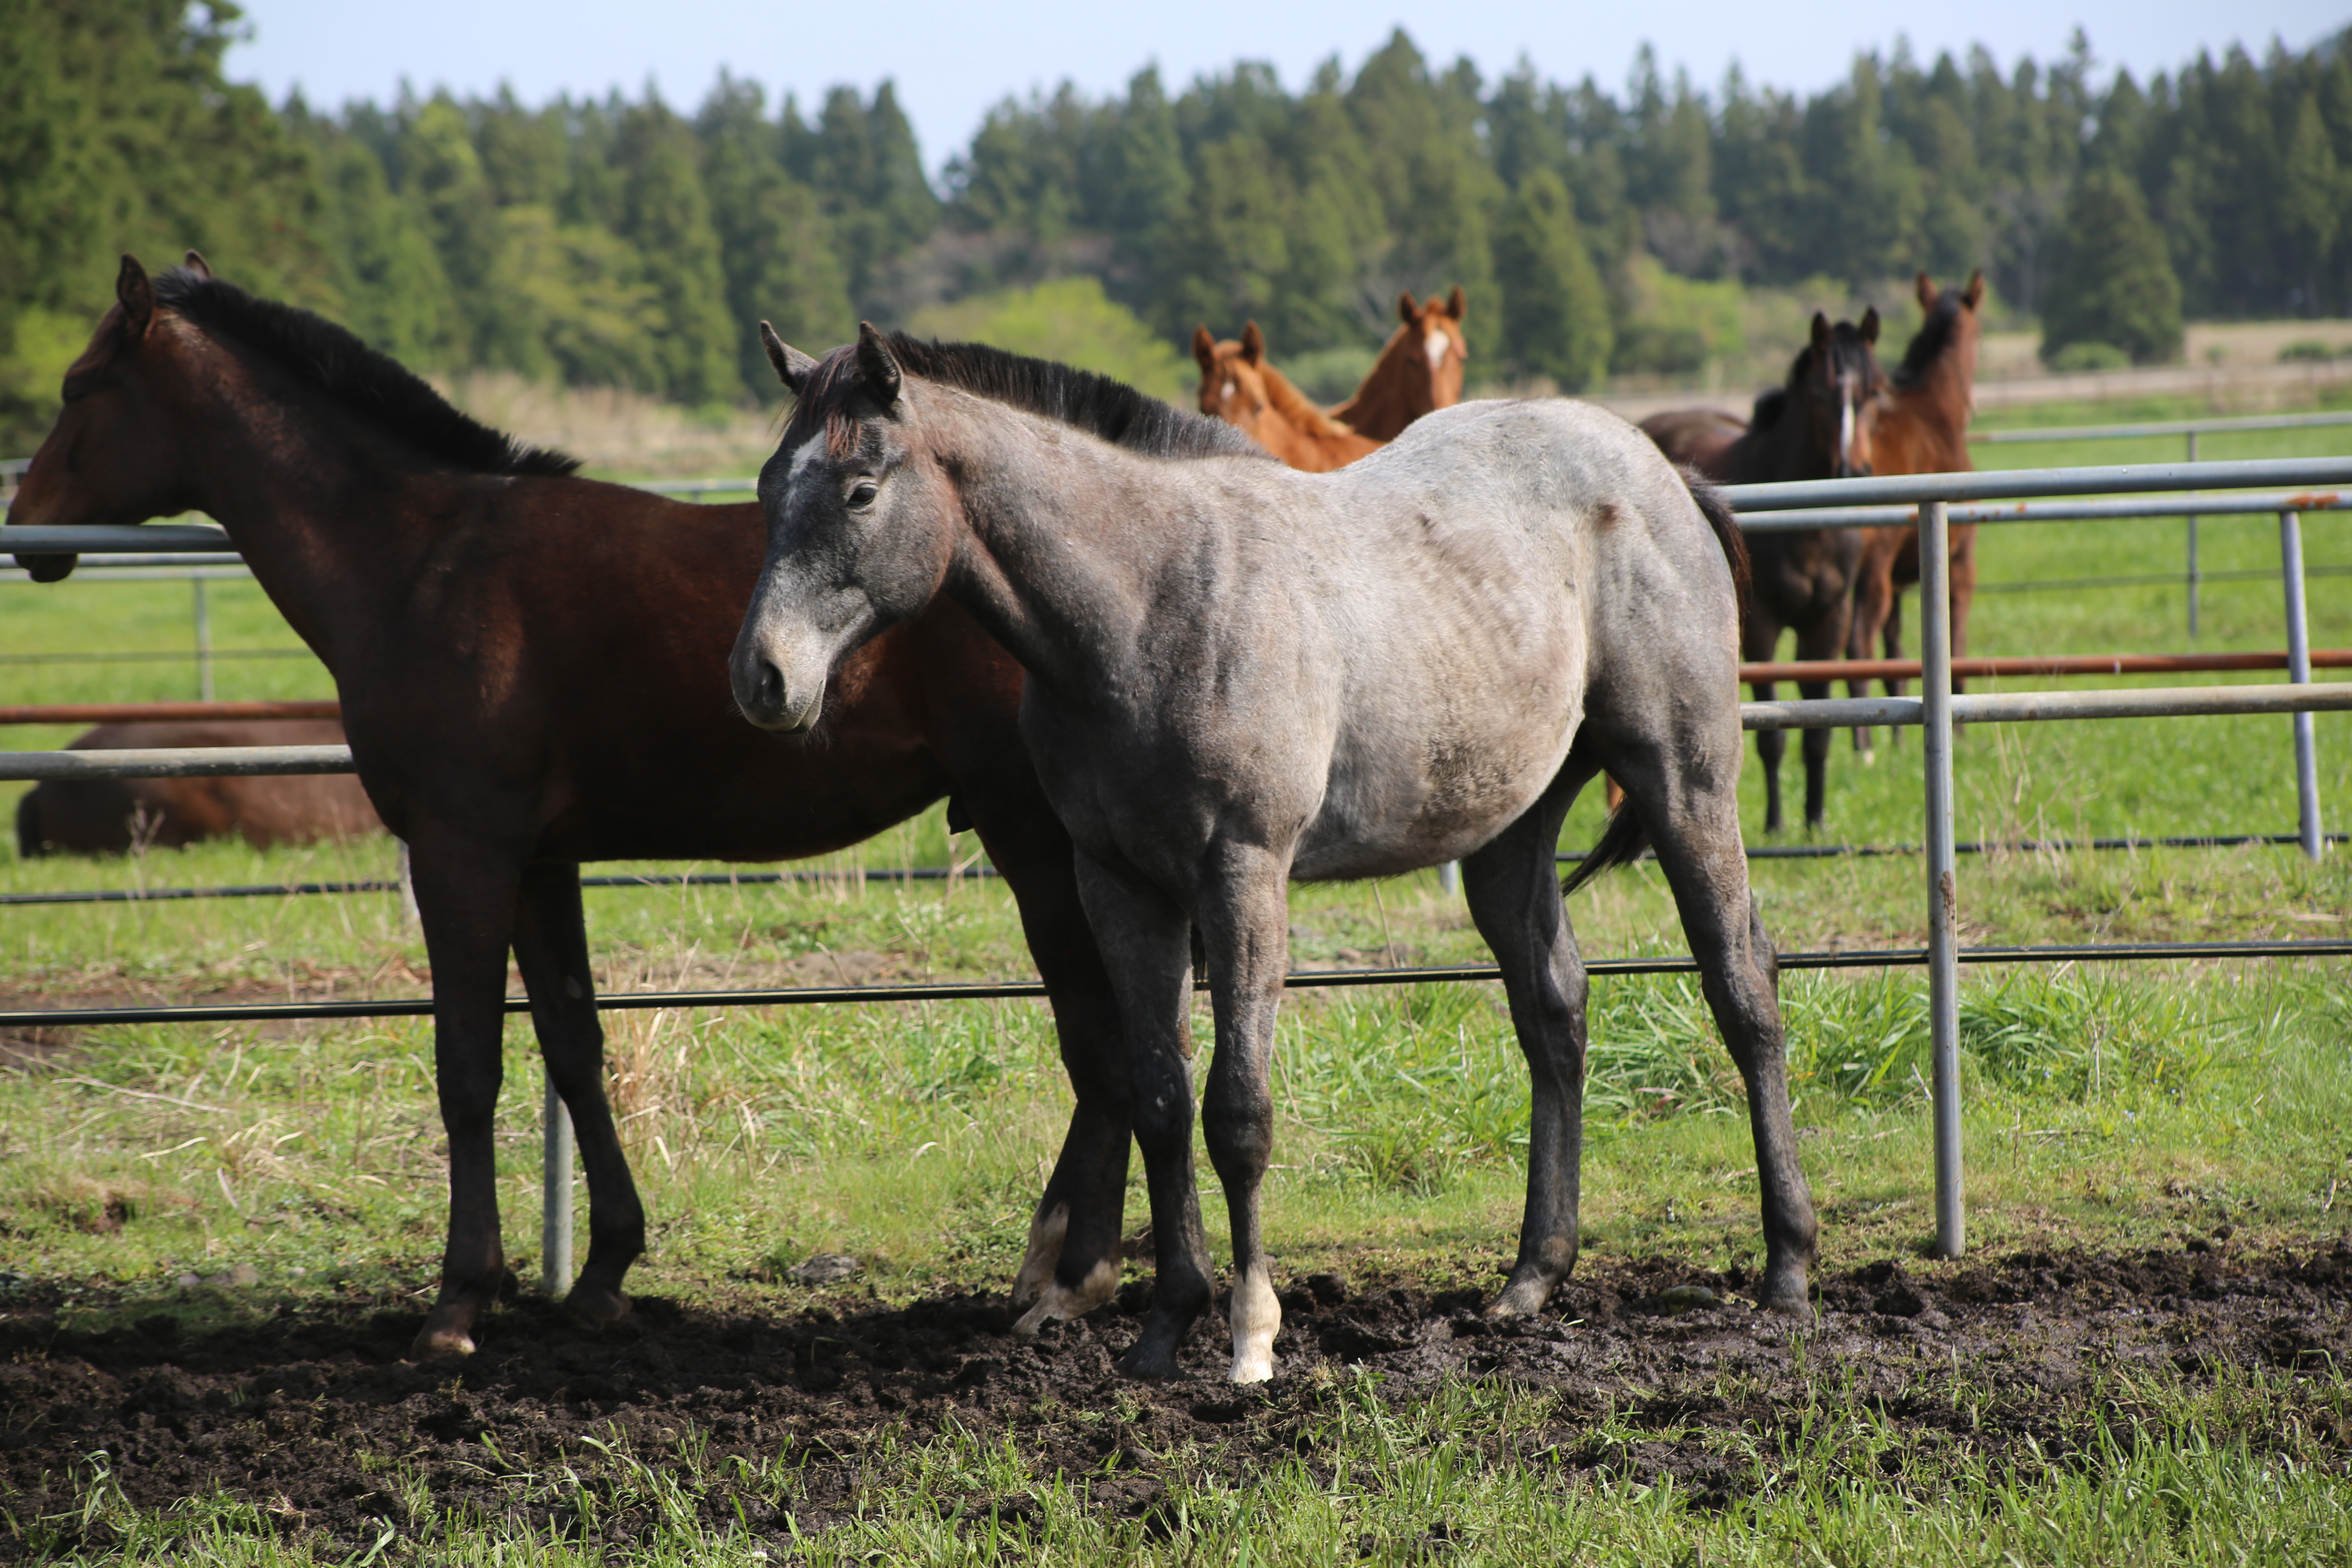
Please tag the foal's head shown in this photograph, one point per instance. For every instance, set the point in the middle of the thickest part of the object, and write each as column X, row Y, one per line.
column 1949, row 332
column 1432, row 372
column 1829, row 395
column 1240, row 385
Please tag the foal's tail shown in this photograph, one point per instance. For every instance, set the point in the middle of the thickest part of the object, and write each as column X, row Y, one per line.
column 1719, row 515
column 1623, row 840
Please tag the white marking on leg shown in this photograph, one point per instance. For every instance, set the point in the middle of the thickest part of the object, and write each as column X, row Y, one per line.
column 1058, row 1302
column 1045, row 1233
column 1257, row 1316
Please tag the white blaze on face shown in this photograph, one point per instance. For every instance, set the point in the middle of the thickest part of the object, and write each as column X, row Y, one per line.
column 1435, row 345
column 1845, row 431
column 808, row 453
column 1227, row 393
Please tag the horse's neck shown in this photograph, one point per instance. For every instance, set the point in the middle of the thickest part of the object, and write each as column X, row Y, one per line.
column 1384, row 406
column 325, row 513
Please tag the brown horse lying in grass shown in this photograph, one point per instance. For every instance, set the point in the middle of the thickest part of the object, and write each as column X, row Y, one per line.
column 1921, row 426
column 110, row 816
column 1241, row 386
column 533, row 673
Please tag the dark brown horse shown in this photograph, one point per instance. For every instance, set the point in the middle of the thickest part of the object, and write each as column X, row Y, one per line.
column 1815, row 428
column 1419, row 370
column 1921, row 426
column 108, row 816
column 533, row 673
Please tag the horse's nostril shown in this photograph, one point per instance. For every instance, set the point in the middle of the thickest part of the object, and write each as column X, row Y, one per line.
column 772, row 684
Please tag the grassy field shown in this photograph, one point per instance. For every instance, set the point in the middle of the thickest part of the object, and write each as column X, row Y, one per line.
column 2107, row 1108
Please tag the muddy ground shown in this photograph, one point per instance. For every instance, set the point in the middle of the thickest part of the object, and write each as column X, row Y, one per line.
column 313, row 1415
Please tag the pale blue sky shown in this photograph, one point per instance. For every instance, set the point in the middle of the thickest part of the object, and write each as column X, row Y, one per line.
column 952, row 60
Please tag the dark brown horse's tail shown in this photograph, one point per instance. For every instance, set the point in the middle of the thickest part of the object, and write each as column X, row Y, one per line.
column 1718, row 514
column 1622, row 843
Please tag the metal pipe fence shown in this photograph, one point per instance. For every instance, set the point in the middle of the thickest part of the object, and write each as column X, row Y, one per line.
column 1936, row 709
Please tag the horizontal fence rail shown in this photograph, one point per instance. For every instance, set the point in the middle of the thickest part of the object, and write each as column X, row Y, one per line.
column 2219, row 425
column 1298, row 980
column 177, row 713
column 2126, row 479
column 2098, row 509
column 2055, row 664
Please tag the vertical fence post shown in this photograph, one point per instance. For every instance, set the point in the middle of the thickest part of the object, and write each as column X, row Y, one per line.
column 555, row 1198
column 204, row 641
column 1942, row 914
column 2298, row 671
column 2196, row 578
column 1449, row 878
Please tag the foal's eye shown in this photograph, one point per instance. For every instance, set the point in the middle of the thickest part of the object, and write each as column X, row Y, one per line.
column 862, row 494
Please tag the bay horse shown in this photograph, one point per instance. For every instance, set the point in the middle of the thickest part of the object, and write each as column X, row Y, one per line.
column 533, row 673
column 1814, row 426
column 1419, row 370
column 1240, row 675
column 110, row 816
column 1240, row 385
column 1921, row 426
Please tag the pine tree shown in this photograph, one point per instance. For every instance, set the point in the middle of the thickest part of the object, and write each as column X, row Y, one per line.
column 2111, row 282
column 666, row 218
column 1555, row 312
column 775, row 245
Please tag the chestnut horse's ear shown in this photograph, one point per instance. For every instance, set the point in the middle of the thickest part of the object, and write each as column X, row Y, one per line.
column 877, row 365
column 136, row 295
column 792, row 367
column 1252, row 343
column 1407, row 311
column 1205, row 349
column 1870, row 326
column 1820, row 333
column 1924, row 287
column 1454, row 303
column 195, row 263
column 1975, row 294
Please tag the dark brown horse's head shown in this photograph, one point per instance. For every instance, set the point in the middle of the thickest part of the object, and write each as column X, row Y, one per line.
column 1830, row 390
column 114, row 456
column 1954, row 325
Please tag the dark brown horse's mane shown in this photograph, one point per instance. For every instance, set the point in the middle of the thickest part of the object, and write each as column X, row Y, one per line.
column 1934, row 337
column 1095, row 404
column 336, row 364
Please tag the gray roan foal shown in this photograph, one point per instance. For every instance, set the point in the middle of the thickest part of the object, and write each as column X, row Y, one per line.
column 1238, row 675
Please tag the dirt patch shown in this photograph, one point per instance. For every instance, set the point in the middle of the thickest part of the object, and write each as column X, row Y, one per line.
column 314, row 1415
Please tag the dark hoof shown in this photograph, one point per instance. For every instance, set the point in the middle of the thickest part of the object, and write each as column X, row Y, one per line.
column 594, row 1306
column 447, row 1334
column 1795, row 1307
column 1149, row 1362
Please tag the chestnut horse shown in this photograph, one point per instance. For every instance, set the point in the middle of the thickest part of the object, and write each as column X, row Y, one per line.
column 1815, row 428
column 1921, row 426
column 1240, row 385
column 1419, row 370
column 110, row 817
column 533, row 673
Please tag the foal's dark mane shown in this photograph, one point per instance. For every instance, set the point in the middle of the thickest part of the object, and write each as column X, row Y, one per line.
column 1095, row 404
column 334, row 363
column 1934, row 337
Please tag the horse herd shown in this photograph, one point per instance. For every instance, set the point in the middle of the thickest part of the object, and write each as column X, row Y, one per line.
column 1159, row 673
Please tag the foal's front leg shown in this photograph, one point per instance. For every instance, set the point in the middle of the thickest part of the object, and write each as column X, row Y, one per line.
column 1147, row 947
column 1244, row 921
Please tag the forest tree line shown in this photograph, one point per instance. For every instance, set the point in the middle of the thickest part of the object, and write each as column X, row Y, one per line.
column 625, row 242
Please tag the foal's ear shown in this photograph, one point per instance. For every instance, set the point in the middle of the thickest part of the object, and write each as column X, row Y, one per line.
column 877, row 365
column 1407, row 311
column 1975, row 294
column 1252, row 343
column 1870, row 326
column 1925, row 288
column 1205, row 349
column 196, row 264
column 792, row 367
column 135, row 295
column 1454, row 303
column 1821, row 333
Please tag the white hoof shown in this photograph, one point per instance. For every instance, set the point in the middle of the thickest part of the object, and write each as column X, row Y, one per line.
column 1057, row 1302
column 1045, row 1233
column 1256, row 1317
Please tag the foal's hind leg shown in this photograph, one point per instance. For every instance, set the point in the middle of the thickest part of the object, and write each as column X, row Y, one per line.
column 550, row 947
column 1513, row 888
column 1685, row 797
